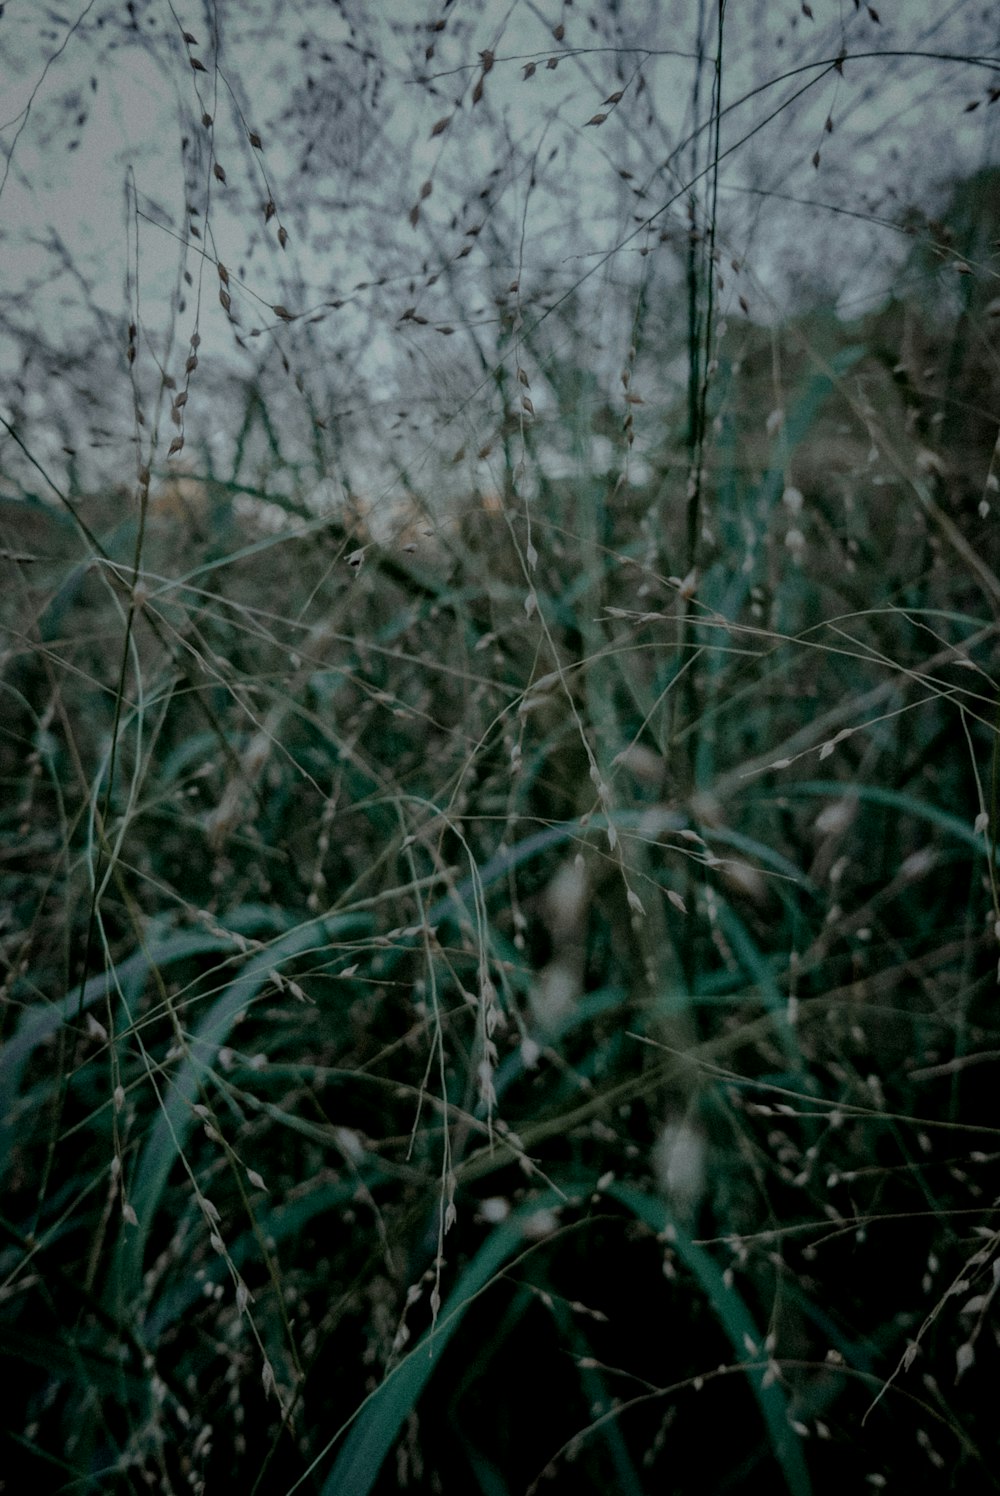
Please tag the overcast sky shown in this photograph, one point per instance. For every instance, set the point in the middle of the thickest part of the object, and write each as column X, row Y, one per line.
column 119, row 202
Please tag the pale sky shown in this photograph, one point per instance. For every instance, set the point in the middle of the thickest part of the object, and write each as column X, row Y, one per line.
column 104, row 147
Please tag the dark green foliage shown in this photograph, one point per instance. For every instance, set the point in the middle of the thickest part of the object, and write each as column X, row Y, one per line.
column 502, row 997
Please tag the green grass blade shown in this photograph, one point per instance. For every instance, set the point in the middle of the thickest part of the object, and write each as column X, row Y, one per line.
column 737, row 1322
column 379, row 1420
column 176, row 1118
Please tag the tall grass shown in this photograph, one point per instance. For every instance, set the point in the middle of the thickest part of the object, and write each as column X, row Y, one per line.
column 502, row 997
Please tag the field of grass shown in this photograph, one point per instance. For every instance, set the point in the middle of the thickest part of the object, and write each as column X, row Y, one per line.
column 500, row 990
column 485, row 1021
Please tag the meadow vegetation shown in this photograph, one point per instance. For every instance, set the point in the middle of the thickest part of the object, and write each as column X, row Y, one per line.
column 500, row 972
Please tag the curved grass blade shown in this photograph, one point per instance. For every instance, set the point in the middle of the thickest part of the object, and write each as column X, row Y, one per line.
column 735, row 1319
column 378, row 1421
column 875, row 794
column 176, row 1117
